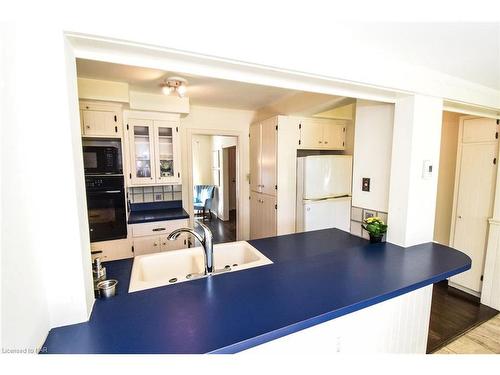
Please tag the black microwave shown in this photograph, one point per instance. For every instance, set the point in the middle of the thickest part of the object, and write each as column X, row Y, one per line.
column 101, row 160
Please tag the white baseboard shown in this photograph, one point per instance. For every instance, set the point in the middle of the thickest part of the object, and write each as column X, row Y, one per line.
column 464, row 289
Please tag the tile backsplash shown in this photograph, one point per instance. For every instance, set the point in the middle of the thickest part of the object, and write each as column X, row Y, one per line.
column 144, row 194
column 358, row 214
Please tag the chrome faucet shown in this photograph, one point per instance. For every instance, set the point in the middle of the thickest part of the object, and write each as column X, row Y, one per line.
column 206, row 242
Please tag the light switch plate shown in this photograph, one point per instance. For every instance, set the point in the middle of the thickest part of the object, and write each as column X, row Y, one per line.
column 365, row 185
column 427, row 169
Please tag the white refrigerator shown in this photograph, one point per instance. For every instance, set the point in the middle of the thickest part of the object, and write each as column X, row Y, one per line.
column 324, row 192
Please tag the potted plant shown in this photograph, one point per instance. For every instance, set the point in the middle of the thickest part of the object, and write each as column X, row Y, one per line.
column 376, row 228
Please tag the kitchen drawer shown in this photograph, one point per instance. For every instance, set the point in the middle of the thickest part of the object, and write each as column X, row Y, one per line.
column 157, row 227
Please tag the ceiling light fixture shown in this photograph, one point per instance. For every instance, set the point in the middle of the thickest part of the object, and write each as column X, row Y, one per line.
column 174, row 84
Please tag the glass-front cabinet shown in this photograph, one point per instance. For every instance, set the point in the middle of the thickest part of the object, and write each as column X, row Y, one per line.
column 154, row 151
column 167, row 153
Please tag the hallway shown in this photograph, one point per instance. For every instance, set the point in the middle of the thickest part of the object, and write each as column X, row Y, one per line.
column 223, row 231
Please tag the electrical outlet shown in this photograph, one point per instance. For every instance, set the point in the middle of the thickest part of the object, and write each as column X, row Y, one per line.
column 158, row 197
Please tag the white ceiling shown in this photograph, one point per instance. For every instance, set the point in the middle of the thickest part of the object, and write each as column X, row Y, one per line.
column 201, row 90
column 468, row 50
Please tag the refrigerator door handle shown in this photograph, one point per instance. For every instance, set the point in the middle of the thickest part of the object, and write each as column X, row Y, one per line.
column 325, row 199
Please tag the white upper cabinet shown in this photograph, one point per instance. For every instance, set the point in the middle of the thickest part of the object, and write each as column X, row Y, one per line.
column 101, row 119
column 142, row 161
column 255, row 157
column 322, row 134
column 311, row 134
column 479, row 130
column 154, row 151
column 334, row 136
column 268, row 156
column 263, row 151
column 168, row 163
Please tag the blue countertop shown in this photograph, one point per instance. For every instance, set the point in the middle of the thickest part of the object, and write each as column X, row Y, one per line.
column 156, row 211
column 137, row 217
column 316, row 276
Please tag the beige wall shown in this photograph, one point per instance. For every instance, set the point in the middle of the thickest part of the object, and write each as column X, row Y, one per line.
column 446, row 178
column 202, row 160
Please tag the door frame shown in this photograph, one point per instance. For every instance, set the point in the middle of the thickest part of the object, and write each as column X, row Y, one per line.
column 228, row 151
column 240, row 177
column 456, row 185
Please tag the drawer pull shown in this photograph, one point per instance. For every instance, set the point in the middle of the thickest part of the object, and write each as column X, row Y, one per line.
column 158, row 229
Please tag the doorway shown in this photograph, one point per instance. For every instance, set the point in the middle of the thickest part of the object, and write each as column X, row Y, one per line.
column 214, row 184
column 465, row 194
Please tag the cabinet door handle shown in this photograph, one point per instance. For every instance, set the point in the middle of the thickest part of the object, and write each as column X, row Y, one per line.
column 320, row 142
column 326, row 142
column 155, row 244
column 158, row 229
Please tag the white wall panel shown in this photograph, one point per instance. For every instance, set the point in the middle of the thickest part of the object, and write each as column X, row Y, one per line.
column 398, row 325
column 372, row 154
column 412, row 198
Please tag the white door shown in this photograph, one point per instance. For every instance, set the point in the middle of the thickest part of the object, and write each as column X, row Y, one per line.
column 255, row 157
column 142, row 165
column 327, row 176
column 328, row 213
column 268, row 156
column 474, row 208
column 167, row 155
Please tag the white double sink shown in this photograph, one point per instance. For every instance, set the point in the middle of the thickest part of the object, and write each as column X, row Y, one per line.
column 173, row 267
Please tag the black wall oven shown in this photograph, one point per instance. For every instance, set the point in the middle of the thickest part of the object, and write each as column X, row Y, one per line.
column 106, row 207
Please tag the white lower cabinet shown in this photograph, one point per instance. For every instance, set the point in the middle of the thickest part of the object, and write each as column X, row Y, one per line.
column 146, row 245
column 262, row 215
column 151, row 237
column 112, row 250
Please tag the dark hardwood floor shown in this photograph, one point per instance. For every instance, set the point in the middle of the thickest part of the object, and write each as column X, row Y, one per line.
column 223, row 231
column 453, row 313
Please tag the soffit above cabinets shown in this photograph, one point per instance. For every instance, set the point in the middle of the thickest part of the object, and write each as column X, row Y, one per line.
column 202, row 91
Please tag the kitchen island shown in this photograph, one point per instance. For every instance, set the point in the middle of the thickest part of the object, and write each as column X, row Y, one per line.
column 317, row 279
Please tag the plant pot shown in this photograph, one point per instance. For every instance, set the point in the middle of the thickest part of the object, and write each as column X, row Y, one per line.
column 375, row 239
